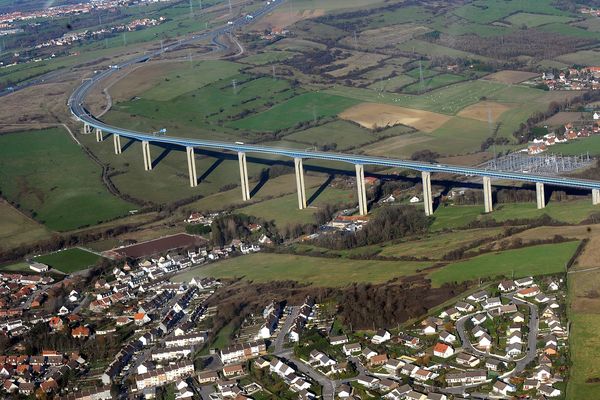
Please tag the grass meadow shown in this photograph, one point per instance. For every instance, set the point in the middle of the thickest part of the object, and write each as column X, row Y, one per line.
column 49, row 176
column 328, row 272
column 534, row 260
column 69, row 260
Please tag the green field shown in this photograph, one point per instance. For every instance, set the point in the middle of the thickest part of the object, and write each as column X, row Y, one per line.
column 447, row 100
column 70, row 260
column 216, row 103
column 318, row 271
column 436, row 50
column 18, row 267
column 573, row 211
column 580, row 146
column 189, row 78
column 535, row 260
column 48, row 175
column 487, row 11
column 302, row 108
column 532, row 20
column 343, row 134
column 436, row 245
column 284, row 210
column 452, row 217
column 584, row 344
column 267, row 57
column 433, row 82
column 17, row 229
column 457, row 216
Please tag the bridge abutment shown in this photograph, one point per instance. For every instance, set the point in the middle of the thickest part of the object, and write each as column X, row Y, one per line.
column 540, row 195
column 300, row 183
column 147, row 157
column 244, row 176
column 191, row 166
column 487, row 194
column 362, row 194
column 427, row 196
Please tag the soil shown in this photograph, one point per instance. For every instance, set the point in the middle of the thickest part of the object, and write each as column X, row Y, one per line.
column 372, row 115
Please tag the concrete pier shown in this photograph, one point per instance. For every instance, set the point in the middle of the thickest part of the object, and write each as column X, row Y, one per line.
column 540, row 195
column 147, row 157
column 117, row 142
column 244, row 176
column 595, row 196
column 87, row 129
column 427, row 197
column 487, row 194
column 300, row 183
column 191, row 166
column 99, row 135
column 362, row 193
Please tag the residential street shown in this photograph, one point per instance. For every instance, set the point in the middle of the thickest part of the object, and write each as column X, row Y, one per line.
column 279, row 340
column 531, row 337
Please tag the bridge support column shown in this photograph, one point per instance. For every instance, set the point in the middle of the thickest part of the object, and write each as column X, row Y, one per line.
column 595, row 196
column 244, row 176
column 87, row 129
column 362, row 193
column 147, row 157
column 99, row 135
column 300, row 183
column 540, row 195
column 427, row 197
column 117, row 142
column 487, row 194
column 192, row 166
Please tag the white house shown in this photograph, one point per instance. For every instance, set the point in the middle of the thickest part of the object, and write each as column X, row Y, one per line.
column 478, row 319
column 351, row 348
column 491, row 303
column 485, row 341
column 523, row 282
column 381, row 336
column 447, row 337
column 503, row 388
column 443, row 350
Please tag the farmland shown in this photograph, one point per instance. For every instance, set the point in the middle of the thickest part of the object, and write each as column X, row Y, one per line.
column 305, row 107
column 50, row 177
column 70, row 260
column 315, row 270
column 17, row 229
column 535, row 260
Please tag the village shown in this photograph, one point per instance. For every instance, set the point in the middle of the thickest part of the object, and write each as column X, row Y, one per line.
column 506, row 338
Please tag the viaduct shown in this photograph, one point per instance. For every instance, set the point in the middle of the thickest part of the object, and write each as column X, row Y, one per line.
column 90, row 123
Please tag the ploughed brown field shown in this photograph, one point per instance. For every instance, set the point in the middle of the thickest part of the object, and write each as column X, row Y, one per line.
column 373, row 115
column 161, row 245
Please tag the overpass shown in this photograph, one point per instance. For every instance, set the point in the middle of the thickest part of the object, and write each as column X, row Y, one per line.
column 77, row 108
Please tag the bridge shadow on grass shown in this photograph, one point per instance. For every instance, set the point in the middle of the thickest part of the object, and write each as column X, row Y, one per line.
column 210, row 169
column 320, row 190
column 161, row 156
column 128, row 145
column 264, row 177
column 444, row 182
